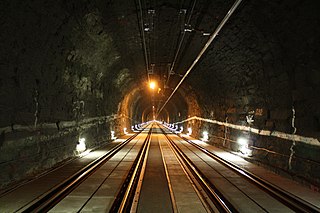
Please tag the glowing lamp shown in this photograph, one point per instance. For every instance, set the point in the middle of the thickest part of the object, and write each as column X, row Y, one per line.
column 81, row 146
column 113, row 137
column 189, row 131
column 152, row 85
column 205, row 136
column 243, row 146
column 242, row 141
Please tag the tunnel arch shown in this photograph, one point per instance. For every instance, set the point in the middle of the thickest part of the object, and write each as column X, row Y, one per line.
column 137, row 105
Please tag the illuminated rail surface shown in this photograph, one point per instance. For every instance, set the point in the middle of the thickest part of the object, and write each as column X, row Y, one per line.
column 159, row 171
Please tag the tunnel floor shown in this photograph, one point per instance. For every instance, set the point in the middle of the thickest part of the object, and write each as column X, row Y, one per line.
column 154, row 182
column 166, row 186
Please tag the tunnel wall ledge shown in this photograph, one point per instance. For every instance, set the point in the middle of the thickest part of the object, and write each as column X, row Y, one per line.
column 282, row 135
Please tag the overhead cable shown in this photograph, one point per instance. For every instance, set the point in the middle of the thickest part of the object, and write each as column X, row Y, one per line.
column 144, row 41
column 180, row 44
column 212, row 37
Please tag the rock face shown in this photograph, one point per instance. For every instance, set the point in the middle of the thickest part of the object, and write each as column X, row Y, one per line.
column 76, row 69
column 59, row 66
column 264, row 64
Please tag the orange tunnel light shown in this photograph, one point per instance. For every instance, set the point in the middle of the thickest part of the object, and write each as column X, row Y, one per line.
column 152, row 85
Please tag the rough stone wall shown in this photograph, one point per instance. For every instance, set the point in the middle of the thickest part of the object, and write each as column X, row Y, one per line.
column 193, row 110
column 59, row 64
column 265, row 63
column 25, row 156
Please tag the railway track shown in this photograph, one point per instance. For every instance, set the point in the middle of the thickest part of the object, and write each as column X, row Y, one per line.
column 156, row 169
column 288, row 201
column 47, row 201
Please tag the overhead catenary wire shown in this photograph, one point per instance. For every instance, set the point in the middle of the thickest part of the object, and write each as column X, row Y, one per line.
column 180, row 44
column 212, row 37
column 144, row 41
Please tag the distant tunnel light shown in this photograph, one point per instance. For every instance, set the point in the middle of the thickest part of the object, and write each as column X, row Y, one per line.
column 175, row 127
column 205, row 136
column 81, row 146
column 189, row 131
column 179, row 131
column 125, row 131
column 152, row 85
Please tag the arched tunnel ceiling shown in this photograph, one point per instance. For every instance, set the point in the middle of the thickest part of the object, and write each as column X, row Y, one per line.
column 141, row 104
column 79, row 58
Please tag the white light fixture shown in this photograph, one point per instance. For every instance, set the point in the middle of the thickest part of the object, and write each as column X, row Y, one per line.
column 243, row 146
column 205, row 136
column 125, row 131
column 189, row 131
column 181, row 129
column 113, row 137
column 81, row 146
column 242, row 141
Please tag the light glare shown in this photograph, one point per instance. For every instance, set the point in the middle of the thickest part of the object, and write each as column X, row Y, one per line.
column 244, row 148
column 152, row 85
column 189, row 131
column 81, row 146
column 242, row 141
column 205, row 136
column 113, row 137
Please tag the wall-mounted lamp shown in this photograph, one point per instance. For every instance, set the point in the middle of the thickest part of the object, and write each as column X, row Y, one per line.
column 205, row 136
column 125, row 131
column 81, row 146
column 189, row 131
column 113, row 137
column 243, row 146
column 181, row 129
column 242, row 141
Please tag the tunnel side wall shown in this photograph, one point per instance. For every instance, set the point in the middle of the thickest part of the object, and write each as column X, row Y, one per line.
column 268, row 151
column 25, row 154
column 263, row 71
column 59, row 66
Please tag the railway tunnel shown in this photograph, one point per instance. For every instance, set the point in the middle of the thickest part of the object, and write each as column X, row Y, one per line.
column 242, row 76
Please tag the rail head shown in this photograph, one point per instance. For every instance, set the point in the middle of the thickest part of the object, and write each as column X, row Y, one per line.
column 217, row 198
column 295, row 203
column 46, row 201
column 124, row 198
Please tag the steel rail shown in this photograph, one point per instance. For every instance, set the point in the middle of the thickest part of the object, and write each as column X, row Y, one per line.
column 202, row 195
column 46, row 201
column 219, row 200
column 293, row 202
column 173, row 199
column 123, row 200
column 138, row 187
column 212, row 37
